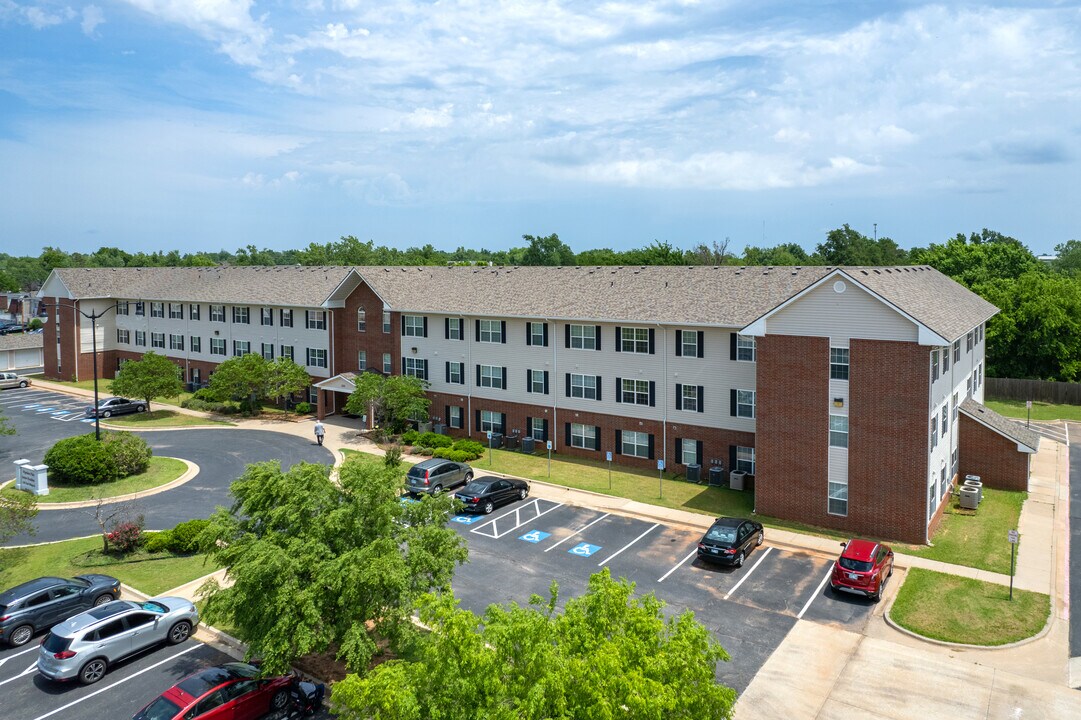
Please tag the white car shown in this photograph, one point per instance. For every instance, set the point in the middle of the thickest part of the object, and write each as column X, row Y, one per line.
column 11, row 380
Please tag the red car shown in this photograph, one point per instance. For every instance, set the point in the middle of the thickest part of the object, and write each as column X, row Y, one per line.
column 232, row 690
column 862, row 568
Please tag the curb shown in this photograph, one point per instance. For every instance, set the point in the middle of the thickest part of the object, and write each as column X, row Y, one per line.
column 191, row 472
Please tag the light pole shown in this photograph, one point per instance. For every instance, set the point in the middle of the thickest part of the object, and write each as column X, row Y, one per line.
column 93, row 317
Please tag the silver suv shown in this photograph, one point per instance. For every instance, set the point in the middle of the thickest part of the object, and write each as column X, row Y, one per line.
column 11, row 380
column 84, row 646
column 435, row 475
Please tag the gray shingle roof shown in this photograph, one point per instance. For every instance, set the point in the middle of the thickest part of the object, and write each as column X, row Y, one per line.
column 21, row 341
column 1011, row 429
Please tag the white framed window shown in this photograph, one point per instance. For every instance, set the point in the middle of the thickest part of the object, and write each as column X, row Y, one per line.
column 945, row 360
column 688, row 397
column 386, row 322
column 634, row 340
column 122, row 307
column 968, row 342
column 838, row 363
column 688, row 451
column 123, row 336
column 317, row 357
column 157, row 310
column 454, row 418
column 285, row 317
column 956, row 351
column 362, row 320
column 491, row 421
column 217, row 313
column 140, row 338
column 456, row 373
column 176, row 342
column 453, row 328
column 968, row 387
column 584, row 386
column 583, row 337
column 745, row 403
column 415, row 367
column 536, row 429
column 287, row 351
column 196, row 343
column 362, row 360
column 266, row 316
column 634, row 443
column 583, row 436
column 934, row 365
column 537, row 336
column 241, row 315
column 313, row 395
column 413, row 326
column 746, row 348
column 491, row 331
column 839, row 431
column 745, row 460
column 193, row 311
column 931, row 505
column 268, row 351
column 538, row 381
column 491, row 376
column 945, row 422
column 634, row 392
column 838, row 498
column 157, row 340
column 943, row 482
column 241, row 347
column 176, row 311
column 386, row 364
column 934, row 432
column 315, row 319
column 955, row 408
column 217, row 346
column 140, row 308
column 688, row 343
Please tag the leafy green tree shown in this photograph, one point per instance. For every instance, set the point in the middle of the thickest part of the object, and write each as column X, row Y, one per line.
column 980, row 258
column 150, row 377
column 600, row 256
column 317, row 565
column 394, row 400
column 784, row 254
column 285, row 378
column 8, row 282
column 609, row 654
column 845, row 246
column 549, row 250
column 243, row 377
column 1069, row 257
column 656, row 253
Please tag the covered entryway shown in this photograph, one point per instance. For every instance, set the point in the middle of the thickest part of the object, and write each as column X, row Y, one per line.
column 994, row 447
column 333, row 393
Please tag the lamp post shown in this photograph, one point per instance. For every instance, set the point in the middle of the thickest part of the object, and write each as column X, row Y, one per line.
column 93, row 317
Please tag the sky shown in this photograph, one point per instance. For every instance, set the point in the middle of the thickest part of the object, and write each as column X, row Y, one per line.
column 215, row 124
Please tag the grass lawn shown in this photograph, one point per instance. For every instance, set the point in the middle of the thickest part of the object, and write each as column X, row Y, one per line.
column 1040, row 410
column 162, row 470
column 975, row 539
column 963, row 610
column 104, row 391
column 153, row 574
column 160, row 419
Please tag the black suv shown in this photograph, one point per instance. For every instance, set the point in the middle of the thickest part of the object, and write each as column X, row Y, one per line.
column 435, row 475
column 39, row 604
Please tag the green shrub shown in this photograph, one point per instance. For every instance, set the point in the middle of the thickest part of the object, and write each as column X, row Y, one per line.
column 125, row 536
column 421, row 450
column 158, row 541
column 35, row 324
column 222, row 408
column 434, row 440
column 393, row 457
column 455, row 455
column 204, row 394
column 184, row 538
column 470, row 447
column 409, row 437
column 131, row 453
column 378, row 436
column 81, row 460
column 303, row 408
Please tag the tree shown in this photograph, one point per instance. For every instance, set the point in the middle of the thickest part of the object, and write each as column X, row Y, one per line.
column 610, row 654
column 243, row 377
column 979, row 258
column 719, row 254
column 151, row 377
column 548, row 250
column 285, row 378
column 845, row 246
column 783, row 254
column 1069, row 257
column 394, row 400
column 656, row 253
column 318, row 565
column 8, row 281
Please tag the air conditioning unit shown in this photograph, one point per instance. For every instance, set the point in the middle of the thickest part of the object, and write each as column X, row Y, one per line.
column 735, row 479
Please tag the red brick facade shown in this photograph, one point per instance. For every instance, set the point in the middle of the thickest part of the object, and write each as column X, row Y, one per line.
column 62, row 312
column 993, row 457
column 348, row 341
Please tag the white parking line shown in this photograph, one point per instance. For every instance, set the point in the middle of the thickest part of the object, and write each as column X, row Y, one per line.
column 535, row 504
column 742, row 579
column 816, row 592
column 632, row 542
column 693, row 552
column 12, row 657
column 118, row 682
column 27, row 671
column 602, row 517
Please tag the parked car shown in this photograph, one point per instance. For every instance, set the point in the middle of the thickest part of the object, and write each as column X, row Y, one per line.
column 435, row 475
column 233, row 690
column 863, row 568
column 115, row 406
column 485, row 493
column 11, row 380
column 39, row 604
column 10, row 327
column 730, row 540
column 83, row 647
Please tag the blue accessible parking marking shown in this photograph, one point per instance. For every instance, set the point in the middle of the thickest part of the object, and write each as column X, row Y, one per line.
column 584, row 549
column 534, row 536
column 466, row 519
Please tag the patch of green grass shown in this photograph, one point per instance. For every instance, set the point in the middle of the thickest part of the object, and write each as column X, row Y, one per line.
column 975, row 539
column 162, row 418
column 104, row 389
column 963, row 610
column 162, row 470
column 152, row 574
column 1040, row 410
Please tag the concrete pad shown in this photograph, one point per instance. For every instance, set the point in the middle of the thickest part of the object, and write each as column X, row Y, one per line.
column 1073, row 669
column 1017, row 697
column 796, row 680
column 836, row 710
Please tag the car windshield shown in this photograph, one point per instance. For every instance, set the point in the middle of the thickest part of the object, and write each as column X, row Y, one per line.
column 242, row 670
column 722, row 534
column 199, row 685
column 154, row 607
column 55, row 643
column 855, row 565
column 161, row 709
column 475, row 488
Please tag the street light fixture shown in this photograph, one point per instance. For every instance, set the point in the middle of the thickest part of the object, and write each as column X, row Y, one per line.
column 93, row 317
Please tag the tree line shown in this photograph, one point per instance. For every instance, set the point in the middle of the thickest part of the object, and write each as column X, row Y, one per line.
column 1037, row 334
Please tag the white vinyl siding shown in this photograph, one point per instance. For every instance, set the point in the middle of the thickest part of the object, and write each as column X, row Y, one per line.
column 854, row 313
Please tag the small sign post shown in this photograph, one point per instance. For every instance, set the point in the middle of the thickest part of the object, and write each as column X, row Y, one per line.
column 549, row 445
column 1028, row 412
column 608, row 457
column 1013, row 536
column 489, row 448
column 660, row 478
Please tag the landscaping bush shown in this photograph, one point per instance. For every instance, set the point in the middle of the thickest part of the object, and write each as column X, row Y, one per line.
column 421, row 450
column 409, row 437
column 434, row 440
column 184, row 538
column 455, row 455
column 393, row 458
column 378, row 436
column 131, row 453
column 81, row 460
column 222, row 408
column 471, row 447
column 205, row 395
column 303, row 408
column 125, row 537
column 158, row 541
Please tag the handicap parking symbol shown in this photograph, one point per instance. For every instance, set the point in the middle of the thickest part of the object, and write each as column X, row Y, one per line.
column 534, row 536
column 584, row 549
column 466, row 519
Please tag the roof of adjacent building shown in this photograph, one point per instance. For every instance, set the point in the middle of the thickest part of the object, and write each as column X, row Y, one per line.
column 1004, row 426
column 726, row 295
column 21, row 341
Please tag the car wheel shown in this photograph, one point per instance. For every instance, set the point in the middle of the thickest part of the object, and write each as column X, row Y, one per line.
column 103, row 598
column 279, row 701
column 890, row 573
column 740, row 558
column 140, row 408
column 21, row 635
column 437, row 489
column 761, row 538
column 107, row 413
column 523, row 493
column 179, row 632
column 22, row 384
column 93, row 671
column 488, row 508
column 468, row 476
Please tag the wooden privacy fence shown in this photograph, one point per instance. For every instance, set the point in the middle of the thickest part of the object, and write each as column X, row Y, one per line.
column 1060, row 393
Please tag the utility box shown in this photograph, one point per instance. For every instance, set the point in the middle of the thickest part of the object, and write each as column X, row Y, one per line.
column 735, row 479
column 716, row 476
column 439, row 428
column 694, row 473
column 512, row 441
column 497, row 440
column 970, row 497
column 528, row 444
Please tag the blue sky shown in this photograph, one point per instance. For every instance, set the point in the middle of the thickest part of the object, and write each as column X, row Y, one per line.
column 211, row 124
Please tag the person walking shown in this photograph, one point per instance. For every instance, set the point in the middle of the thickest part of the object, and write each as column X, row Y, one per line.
column 320, row 431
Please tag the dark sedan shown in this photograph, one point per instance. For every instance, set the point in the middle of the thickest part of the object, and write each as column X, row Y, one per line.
column 39, row 604
column 730, row 541
column 115, row 406
column 485, row 493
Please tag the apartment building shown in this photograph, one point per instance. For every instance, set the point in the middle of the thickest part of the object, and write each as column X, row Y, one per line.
column 840, row 390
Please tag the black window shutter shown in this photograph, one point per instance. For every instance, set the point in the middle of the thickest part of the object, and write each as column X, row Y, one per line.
column 701, row 343
column 545, row 382
column 502, row 423
column 567, row 336
column 448, row 371
column 731, row 458
column 446, row 414
column 504, row 378
column 679, row 396
column 652, row 338
column 732, row 409
column 503, row 331
column 678, row 451
column 701, row 398
column 529, row 381
column 600, row 384
column 403, row 325
column 446, row 328
column 651, row 446
column 567, row 434
column 477, row 428
column 597, row 334
column 478, row 375
column 619, row 389
column 425, row 326
column 568, row 384
column 528, row 333
column 619, row 339
column 596, row 437
column 529, row 427
column 544, row 430
column 679, row 343
column 698, row 452
column 619, row 442
column 732, row 346
column 477, row 337
column 652, row 393
column 403, row 366
column 545, row 334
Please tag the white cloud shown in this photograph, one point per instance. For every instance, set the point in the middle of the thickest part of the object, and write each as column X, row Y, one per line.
column 92, row 17
column 226, row 22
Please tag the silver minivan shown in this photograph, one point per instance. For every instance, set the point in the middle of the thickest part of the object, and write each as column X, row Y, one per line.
column 11, row 380
column 83, row 647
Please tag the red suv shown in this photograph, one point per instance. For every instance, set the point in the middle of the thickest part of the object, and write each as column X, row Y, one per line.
column 862, row 568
